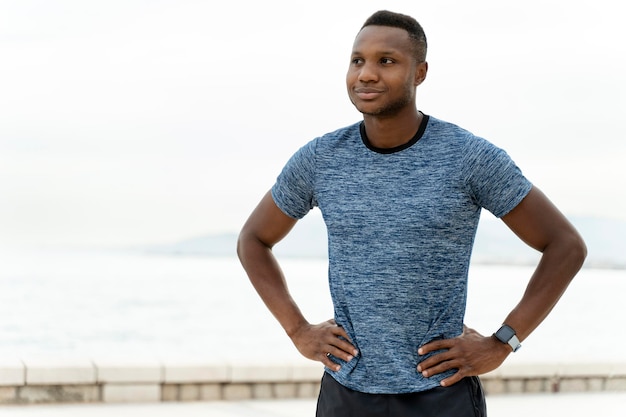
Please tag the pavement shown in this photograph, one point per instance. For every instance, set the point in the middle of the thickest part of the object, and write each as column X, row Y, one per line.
column 606, row 404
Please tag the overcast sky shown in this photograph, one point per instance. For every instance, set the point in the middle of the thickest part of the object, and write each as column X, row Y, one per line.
column 129, row 122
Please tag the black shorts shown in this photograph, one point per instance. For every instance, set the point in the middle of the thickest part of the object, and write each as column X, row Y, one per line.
column 463, row 399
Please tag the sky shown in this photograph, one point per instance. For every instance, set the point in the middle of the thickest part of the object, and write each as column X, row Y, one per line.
column 140, row 122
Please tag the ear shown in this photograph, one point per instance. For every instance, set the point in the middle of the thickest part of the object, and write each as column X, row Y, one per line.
column 421, row 70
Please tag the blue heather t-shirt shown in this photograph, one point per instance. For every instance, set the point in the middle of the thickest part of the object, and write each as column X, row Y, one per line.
column 401, row 224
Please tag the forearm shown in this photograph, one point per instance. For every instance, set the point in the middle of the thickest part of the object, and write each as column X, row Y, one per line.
column 474, row 354
column 559, row 264
column 268, row 280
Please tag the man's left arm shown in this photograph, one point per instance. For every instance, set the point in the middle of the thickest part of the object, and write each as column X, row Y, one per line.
column 540, row 225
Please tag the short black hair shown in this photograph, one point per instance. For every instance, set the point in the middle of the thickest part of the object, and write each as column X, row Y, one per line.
column 402, row 21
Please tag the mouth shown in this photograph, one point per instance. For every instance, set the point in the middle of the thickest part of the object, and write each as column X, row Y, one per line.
column 367, row 93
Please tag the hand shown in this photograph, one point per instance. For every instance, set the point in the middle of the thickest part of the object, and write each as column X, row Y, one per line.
column 316, row 341
column 470, row 353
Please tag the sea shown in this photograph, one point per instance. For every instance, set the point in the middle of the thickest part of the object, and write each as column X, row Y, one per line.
column 133, row 305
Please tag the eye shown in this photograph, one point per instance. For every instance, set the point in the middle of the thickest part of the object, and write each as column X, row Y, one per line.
column 386, row 61
column 357, row 61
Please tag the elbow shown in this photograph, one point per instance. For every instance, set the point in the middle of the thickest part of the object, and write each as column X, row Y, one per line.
column 249, row 244
column 577, row 250
column 581, row 250
column 241, row 243
column 238, row 249
column 569, row 250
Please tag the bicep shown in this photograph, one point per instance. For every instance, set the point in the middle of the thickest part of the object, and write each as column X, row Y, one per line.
column 267, row 223
column 537, row 222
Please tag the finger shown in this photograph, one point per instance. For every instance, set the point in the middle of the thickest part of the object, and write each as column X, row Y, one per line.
column 329, row 363
column 341, row 341
column 345, row 346
column 340, row 332
column 440, row 368
column 339, row 348
column 451, row 380
column 339, row 353
column 435, row 345
column 434, row 360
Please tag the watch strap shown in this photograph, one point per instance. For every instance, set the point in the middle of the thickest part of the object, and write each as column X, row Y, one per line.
column 514, row 343
column 507, row 335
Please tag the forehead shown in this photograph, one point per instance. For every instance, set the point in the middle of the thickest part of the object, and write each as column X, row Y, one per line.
column 382, row 39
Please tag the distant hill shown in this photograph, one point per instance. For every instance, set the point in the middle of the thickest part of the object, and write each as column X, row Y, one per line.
column 495, row 243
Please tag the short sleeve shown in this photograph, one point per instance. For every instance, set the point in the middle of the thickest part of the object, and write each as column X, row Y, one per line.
column 294, row 191
column 496, row 182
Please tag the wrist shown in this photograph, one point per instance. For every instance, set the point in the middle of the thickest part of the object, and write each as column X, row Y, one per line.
column 500, row 348
column 294, row 329
column 507, row 336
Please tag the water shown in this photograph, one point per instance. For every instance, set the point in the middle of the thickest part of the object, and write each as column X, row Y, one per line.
column 94, row 304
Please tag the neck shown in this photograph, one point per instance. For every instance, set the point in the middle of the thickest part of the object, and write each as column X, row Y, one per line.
column 390, row 132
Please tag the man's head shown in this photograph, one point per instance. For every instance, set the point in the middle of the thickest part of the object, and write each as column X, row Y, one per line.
column 386, row 65
column 402, row 21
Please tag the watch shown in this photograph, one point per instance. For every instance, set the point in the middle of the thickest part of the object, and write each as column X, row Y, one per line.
column 506, row 335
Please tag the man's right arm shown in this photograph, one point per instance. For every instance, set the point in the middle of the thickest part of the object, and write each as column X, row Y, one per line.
column 265, row 227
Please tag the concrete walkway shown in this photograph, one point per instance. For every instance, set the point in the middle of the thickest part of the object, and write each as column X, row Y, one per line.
column 606, row 404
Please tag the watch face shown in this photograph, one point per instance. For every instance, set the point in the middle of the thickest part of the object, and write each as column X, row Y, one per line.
column 505, row 333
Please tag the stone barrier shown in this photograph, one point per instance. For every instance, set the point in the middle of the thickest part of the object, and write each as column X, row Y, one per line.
column 112, row 381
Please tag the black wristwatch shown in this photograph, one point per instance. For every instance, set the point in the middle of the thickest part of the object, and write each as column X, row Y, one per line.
column 506, row 335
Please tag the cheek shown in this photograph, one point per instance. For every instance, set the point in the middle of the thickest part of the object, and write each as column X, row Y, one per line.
column 409, row 85
column 350, row 77
column 350, row 81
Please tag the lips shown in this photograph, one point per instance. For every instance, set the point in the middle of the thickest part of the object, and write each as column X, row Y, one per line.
column 367, row 93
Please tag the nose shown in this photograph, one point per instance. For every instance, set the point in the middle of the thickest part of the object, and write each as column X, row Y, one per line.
column 368, row 73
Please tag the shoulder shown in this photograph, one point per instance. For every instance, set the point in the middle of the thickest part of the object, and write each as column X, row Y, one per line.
column 455, row 141
column 330, row 145
column 323, row 146
column 340, row 136
column 331, row 139
column 440, row 126
column 443, row 130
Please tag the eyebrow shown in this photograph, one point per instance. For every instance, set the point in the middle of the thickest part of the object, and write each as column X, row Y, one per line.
column 388, row 52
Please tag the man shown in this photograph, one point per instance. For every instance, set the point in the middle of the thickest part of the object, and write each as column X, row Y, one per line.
column 401, row 194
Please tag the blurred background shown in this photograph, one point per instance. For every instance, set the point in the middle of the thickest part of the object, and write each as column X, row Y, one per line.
column 135, row 132
column 151, row 121
column 136, row 136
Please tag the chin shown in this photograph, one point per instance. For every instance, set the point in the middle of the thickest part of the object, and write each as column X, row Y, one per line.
column 369, row 110
column 378, row 112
